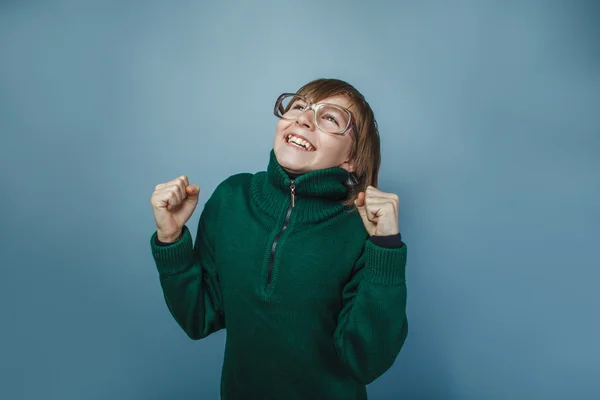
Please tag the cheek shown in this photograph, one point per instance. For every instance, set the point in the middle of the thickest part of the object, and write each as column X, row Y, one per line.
column 281, row 126
column 336, row 146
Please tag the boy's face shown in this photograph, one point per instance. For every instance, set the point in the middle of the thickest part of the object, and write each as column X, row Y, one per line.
column 328, row 150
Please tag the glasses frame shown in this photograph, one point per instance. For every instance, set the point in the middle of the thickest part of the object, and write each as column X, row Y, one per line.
column 315, row 108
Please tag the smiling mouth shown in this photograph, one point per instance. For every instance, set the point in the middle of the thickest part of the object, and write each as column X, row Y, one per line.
column 299, row 142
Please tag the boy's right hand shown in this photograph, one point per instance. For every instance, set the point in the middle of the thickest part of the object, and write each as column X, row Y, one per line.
column 173, row 203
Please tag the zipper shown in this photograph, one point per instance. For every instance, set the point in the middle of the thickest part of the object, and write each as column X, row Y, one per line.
column 285, row 225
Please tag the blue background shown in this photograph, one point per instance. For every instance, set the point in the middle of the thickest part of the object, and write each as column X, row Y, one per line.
column 489, row 117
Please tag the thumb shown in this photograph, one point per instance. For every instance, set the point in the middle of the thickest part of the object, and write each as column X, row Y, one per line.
column 360, row 200
column 192, row 192
column 362, row 211
column 360, row 204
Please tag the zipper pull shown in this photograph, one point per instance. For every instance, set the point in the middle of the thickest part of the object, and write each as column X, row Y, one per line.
column 293, row 193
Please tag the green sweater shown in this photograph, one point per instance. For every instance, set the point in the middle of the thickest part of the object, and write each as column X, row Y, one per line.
column 312, row 308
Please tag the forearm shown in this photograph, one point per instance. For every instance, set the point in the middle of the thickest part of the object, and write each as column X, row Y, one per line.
column 189, row 288
column 373, row 326
column 190, row 301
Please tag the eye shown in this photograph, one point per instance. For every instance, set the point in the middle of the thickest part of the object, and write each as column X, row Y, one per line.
column 298, row 105
column 330, row 118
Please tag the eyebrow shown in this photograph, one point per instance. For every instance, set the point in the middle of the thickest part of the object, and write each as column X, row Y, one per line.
column 337, row 105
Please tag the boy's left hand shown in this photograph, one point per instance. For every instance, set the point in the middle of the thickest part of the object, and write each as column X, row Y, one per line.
column 379, row 211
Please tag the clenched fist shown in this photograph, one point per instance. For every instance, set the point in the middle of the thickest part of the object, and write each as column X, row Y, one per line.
column 173, row 203
column 379, row 211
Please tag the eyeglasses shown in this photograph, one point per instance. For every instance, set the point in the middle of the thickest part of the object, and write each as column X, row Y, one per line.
column 329, row 118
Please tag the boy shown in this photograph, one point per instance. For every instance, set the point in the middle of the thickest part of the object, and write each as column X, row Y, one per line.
column 302, row 263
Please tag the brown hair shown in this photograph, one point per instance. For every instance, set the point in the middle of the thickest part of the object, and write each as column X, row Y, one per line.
column 365, row 153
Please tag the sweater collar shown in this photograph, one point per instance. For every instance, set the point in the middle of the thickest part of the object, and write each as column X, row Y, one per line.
column 319, row 194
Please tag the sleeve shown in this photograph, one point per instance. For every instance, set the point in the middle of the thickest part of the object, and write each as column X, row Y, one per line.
column 372, row 325
column 159, row 243
column 390, row 242
column 189, row 278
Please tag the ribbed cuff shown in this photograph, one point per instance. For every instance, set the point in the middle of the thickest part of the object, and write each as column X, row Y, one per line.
column 385, row 265
column 175, row 257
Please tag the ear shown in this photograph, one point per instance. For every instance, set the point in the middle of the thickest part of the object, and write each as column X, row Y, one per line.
column 348, row 165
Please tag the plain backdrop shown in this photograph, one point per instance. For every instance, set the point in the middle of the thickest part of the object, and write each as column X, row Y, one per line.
column 490, row 127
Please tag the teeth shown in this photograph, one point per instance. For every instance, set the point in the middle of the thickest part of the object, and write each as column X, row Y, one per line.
column 301, row 142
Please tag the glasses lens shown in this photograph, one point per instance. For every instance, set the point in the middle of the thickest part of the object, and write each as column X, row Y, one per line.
column 290, row 106
column 332, row 119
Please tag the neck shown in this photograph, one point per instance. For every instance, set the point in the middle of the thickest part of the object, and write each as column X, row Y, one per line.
column 292, row 175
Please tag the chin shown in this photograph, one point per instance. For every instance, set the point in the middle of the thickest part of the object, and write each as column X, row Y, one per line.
column 290, row 162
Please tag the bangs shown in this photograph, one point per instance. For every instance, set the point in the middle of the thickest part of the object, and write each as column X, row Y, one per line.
column 322, row 89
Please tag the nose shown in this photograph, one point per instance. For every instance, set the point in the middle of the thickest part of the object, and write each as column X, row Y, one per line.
column 307, row 119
